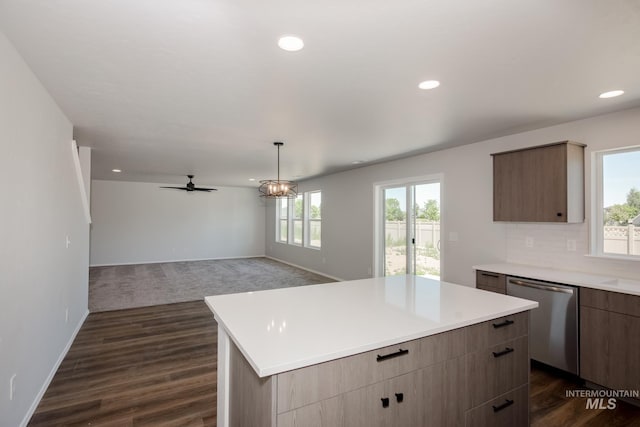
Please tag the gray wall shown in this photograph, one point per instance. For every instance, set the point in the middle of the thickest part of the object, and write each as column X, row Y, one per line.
column 348, row 209
column 136, row 222
column 41, row 206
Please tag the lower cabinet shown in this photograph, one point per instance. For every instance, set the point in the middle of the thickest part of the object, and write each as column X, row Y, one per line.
column 493, row 282
column 478, row 375
column 610, row 339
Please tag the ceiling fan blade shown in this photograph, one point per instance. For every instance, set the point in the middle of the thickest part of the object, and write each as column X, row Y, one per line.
column 205, row 189
column 177, row 188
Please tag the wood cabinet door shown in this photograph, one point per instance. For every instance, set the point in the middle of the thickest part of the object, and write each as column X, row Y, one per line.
column 610, row 348
column 442, row 400
column 531, row 185
column 364, row 407
column 396, row 402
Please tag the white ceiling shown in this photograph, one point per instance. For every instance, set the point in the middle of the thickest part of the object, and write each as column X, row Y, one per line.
column 162, row 88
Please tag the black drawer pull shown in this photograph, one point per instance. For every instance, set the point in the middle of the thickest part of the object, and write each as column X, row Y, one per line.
column 506, row 404
column 399, row 397
column 507, row 322
column 490, row 275
column 385, row 402
column 507, row 350
column 400, row 352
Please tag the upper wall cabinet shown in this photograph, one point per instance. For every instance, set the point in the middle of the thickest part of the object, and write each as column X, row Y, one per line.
column 539, row 184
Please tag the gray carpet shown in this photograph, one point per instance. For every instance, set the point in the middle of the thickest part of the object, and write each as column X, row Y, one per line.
column 128, row 286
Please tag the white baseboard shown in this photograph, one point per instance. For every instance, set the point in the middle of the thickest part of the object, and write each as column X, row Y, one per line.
column 176, row 260
column 38, row 398
column 337, row 279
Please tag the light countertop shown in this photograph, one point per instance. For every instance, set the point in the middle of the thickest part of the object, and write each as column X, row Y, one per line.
column 283, row 329
column 575, row 278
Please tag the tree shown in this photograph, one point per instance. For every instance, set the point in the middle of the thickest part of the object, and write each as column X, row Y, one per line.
column 392, row 211
column 619, row 214
column 633, row 199
column 431, row 210
column 298, row 208
column 314, row 211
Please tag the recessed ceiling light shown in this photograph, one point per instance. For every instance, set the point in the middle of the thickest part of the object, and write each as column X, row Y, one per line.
column 116, row 170
column 290, row 43
column 357, row 162
column 429, row 84
column 611, row 94
column 252, row 179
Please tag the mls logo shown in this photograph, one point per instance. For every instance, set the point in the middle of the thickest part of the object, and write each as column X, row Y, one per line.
column 599, row 403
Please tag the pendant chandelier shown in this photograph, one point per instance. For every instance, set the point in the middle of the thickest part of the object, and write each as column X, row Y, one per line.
column 277, row 188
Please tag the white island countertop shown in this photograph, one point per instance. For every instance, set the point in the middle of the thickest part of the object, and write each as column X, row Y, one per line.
column 283, row 329
column 575, row 278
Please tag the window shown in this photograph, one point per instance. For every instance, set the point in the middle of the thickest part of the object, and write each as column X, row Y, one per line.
column 298, row 210
column 617, row 203
column 298, row 220
column 282, row 218
column 313, row 215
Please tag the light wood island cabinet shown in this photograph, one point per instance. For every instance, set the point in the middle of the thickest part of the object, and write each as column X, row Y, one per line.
column 390, row 351
column 477, row 375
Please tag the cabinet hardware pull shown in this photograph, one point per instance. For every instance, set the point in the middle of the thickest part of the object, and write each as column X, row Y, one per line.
column 399, row 397
column 506, row 404
column 559, row 214
column 385, row 402
column 507, row 322
column 490, row 275
column 507, row 350
column 400, row 352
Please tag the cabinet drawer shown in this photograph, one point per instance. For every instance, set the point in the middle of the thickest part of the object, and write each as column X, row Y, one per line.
column 508, row 410
column 610, row 301
column 496, row 370
column 318, row 382
column 495, row 331
column 493, row 280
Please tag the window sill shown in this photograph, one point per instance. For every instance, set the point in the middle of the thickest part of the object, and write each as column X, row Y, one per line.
column 615, row 257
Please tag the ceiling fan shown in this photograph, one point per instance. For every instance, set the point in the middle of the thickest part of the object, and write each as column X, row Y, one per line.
column 192, row 187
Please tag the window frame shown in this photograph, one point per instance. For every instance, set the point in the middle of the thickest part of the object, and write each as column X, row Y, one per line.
column 597, row 205
column 289, row 221
column 309, row 220
column 294, row 220
column 279, row 220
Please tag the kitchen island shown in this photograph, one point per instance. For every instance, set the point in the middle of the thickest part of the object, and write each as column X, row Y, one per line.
column 400, row 350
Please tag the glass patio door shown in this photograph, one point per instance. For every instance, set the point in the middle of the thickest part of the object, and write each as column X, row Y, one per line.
column 411, row 229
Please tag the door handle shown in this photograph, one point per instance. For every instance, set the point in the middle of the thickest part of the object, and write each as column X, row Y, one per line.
column 398, row 353
column 507, row 322
column 506, row 404
column 507, row 350
column 550, row 288
column 490, row 275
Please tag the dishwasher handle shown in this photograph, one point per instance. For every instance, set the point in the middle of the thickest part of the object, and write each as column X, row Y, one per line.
column 550, row 288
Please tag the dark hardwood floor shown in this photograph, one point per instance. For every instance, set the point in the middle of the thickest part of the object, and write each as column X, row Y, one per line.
column 550, row 407
column 156, row 366
column 151, row 366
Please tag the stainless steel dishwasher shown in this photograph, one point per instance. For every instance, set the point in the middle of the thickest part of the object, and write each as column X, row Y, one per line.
column 553, row 328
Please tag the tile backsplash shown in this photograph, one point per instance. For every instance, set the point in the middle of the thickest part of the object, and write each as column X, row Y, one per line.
column 562, row 246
